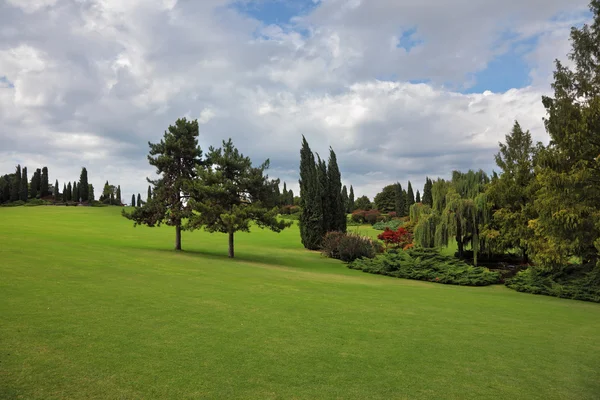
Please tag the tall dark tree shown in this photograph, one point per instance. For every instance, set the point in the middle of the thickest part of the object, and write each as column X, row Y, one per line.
column 363, row 203
column 351, row 200
column 290, row 196
column 118, row 195
column 15, row 190
column 230, row 193
column 175, row 157
column 400, row 200
column 345, row 198
column 4, row 188
column 91, row 196
column 418, row 197
column 311, row 216
column 139, row 203
column 337, row 205
column 75, row 192
column 34, row 185
column 133, row 200
column 323, row 182
column 427, row 197
column 69, row 192
column 56, row 191
column 149, row 193
column 410, row 199
column 284, row 195
column 44, row 183
column 66, row 193
column 385, row 201
column 83, row 185
column 24, row 185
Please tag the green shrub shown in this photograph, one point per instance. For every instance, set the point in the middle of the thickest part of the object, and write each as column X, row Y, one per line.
column 393, row 225
column 349, row 246
column 36, row 202
column 426, row 265
column 14, row 204
column 572, row 282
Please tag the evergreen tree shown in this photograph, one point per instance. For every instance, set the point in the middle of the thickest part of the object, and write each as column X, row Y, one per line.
column 139, row 203
column 363, row 203
column 65, row 195
column 91, row 196
column 119, row 195
column 75, row 192
column 149, row 193
column 385, row 201
column 323, row 184
column 33, row 186
column 337, row 205
column 410, row 199
column 345, row 198
column 44, row 189
column 69, row 192
column 290, row 197
column 285, row 196
column 418, row 197
column 15, row 190
column 176, row 158
column 400, row 201
column 24, row 185
column 83, row 185
column 351, row 200
column 230, row 193
column 4, row 188
column 427, row 198
column 56, row 191
column 311, row 216
column 133, row 200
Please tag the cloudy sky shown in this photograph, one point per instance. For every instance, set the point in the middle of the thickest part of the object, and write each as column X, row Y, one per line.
column 400, row 89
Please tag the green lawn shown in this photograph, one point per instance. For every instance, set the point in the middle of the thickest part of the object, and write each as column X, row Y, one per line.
column 91, row 307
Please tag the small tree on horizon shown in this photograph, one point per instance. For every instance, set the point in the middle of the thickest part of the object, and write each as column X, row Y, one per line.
column 24, row 185
column 44, row 183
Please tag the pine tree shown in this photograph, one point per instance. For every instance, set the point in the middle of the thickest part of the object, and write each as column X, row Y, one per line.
column 418, row 197
column 427, row 198
column 24, row 185
column 337, row 205
column 119, row 194
column 15, row 190
column 83, row 185
column 44, row 189
column 351, row 200
column 69, row 192
column 311, row 216
column 66, row 193
column 133, row 200
column 56, row 191
column 410, row 199
column 91, row 196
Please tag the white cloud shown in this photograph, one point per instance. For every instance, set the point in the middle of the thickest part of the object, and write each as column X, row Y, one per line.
column 95, row 81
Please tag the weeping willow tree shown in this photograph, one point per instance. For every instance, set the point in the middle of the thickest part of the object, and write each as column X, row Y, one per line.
column 460, row 211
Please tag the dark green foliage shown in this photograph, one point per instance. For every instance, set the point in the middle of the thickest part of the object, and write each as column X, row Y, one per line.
column 393, row 225
column 323, row 185
column 349, row 246
column 69, row 192
column 230, row 193
column 410, row 199
column 385, row 201
column 311, row 218
column 75, row 192
column 337, row 205
column 44, row 183
column 399, row 200
column 345, row 199
column 34, row 185
column 24, row 195
column 83, row 186
column 15, row 190
column 427, row 196
column 175, row 157
column 351, row 200
column 363, row 203
column 133, row 200
column 66, row 193
column 118, row 194
column 139, row 200
column 578, row 282
column 149, row 193
column 426, row 265
column 4, row 188
column 418, row 197
column 91, row 196
column 56, row 191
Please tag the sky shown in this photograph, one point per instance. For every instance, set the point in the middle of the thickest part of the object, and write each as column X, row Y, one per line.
column 400, row 89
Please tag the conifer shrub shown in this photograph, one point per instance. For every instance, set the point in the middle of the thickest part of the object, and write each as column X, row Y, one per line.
column 394, row 224
column 426, row 265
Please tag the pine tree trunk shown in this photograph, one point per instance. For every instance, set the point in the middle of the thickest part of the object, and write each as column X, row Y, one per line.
column 231, row 253
column 178, row 237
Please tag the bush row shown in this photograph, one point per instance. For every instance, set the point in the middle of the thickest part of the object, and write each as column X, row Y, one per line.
column 426, row 265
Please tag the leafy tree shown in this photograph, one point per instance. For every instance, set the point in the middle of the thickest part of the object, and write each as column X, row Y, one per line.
column 24, row 185
column 410, row 199
column 69, row 192
column 118, row 195
column 176, row 158
column 83, row 185
column 44, row 182
column 427, row 197
column 385, row 201
column 512, row 193
column 351, row 200
column 139, row 204
column 568, row 176
column 311, row 216
column 15, row 191
column 133, row 200
column 363, row 203
column 230, row 193
column 337, row 206
column 345, row 198
column 418, row 197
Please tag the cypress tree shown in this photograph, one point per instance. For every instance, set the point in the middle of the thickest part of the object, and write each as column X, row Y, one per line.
column 400, row 201
column 310, row 222
column 345, row 198
column 427, row 197
column 284, row 195
column 350, row 200
column 119, row 194
column 69, row 192
column 15, row 189
column 323, row 184
column 91, row 196
column 56, row 191
column 44, row 188
column 65, row 195
column 149, row 193
column 24, row 185
column 337, row 205
column 83, row 185
column 410, row 199
column 33, row 187
column 418, row 197
column 133, row 200
column 139, row 200
column 75, row 194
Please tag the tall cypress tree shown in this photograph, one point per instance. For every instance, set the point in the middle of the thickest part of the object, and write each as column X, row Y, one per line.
column 350, row 200
column 91, row 196
column 345, row 198
column 119, row 194
column 400, row 201
column 418, row 197
column 33, row 187
column 15, row 189
column 133, row 200
column 149, row 193
column 311, row 216
column 44, row 184
column 410, row 199
column 337, row 206
column 139, row 200
column 427, row 197
column 69, row 192
column 284, row 195
column 56, row 190
column 83, row 185
column 323, row 184
column 66, row 193
column 24, row 185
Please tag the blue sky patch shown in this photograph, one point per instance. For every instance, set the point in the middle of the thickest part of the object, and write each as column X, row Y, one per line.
column 275, row 11
column 4, row 82
column 409, row 39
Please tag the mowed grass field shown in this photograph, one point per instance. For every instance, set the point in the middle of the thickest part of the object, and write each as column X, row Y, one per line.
column 93, row 308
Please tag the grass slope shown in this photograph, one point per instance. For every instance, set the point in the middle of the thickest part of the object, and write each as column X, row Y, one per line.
column 92, row 308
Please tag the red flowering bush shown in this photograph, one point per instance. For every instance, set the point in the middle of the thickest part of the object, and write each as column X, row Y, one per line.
column 400, row 238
